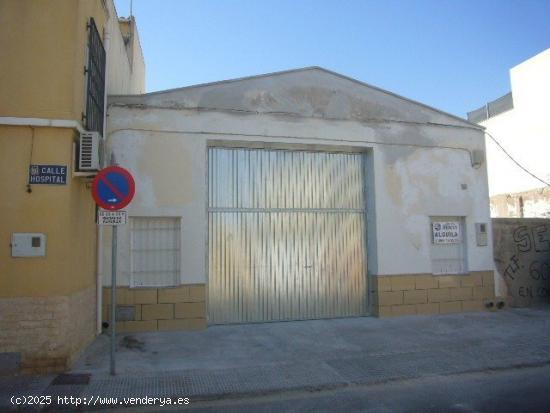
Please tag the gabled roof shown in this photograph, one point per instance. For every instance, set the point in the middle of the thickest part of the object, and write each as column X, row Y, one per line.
column 309, row 92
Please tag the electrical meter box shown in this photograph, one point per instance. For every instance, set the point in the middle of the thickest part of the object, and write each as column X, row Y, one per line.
column 26, row 244
column 481, row 234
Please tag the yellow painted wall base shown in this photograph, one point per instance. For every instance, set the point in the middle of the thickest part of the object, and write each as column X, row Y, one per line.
column 169, row 308
column 398, row 295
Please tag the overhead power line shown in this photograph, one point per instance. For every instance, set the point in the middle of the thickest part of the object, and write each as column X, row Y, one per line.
column 516, row 162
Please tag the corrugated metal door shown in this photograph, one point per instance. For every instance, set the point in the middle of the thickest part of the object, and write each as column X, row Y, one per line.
column 286, row 235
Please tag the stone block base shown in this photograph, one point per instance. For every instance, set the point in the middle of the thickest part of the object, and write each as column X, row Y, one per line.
column 151, row 309
column 47, row 333
column 397, row 295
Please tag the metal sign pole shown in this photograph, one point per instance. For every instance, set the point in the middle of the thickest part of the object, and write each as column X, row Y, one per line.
column 112, row 189
column 113, row 299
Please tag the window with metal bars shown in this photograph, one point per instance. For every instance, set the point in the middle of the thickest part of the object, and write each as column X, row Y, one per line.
column 95, row 85
column 154, row 251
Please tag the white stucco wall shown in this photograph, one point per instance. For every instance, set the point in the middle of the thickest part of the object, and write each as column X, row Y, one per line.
column 125, row 72
column 523, row 131
column 416, row 170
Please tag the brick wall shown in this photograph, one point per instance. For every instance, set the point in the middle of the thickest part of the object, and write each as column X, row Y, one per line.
column 47, row 332
column 171, row 308
column 432, row 294
column 82, row 319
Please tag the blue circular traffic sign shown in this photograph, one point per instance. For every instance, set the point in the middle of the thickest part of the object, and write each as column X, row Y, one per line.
column 113, row 188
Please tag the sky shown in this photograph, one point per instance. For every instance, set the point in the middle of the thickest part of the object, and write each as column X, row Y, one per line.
column 454, row 55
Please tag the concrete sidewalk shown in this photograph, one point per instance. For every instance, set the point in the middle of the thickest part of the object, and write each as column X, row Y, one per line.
column 243, row 360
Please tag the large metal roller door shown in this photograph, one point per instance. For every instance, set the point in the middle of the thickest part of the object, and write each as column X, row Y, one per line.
column 286, row 235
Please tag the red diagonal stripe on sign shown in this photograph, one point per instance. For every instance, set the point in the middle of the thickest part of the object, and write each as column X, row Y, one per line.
column 112, row 188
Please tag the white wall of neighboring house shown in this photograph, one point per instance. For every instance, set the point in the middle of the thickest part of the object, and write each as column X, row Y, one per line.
column 524, row 132
column 125, row 64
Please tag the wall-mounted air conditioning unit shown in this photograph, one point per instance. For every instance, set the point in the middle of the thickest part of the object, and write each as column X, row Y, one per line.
column 89, row 148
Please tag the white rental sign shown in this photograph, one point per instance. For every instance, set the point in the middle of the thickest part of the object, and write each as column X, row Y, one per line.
column 446, row 232
column 119, row 217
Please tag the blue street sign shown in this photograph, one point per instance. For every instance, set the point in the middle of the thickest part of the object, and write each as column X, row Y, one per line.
column 48, row 175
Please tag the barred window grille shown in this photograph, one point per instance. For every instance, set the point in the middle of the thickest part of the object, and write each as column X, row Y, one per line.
column 154, row 251
column 449, row 258
column 95, row 89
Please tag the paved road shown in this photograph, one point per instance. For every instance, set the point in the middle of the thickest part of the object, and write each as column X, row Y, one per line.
column 344, row 364
column 502, row 391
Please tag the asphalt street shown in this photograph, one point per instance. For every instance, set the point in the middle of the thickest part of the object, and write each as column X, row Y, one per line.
column 466, row 362
column 504, row 391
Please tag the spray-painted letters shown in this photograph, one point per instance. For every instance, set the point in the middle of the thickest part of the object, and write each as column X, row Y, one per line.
column 522, row 257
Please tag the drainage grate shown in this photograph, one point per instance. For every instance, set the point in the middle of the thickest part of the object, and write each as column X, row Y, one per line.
column 64, row 379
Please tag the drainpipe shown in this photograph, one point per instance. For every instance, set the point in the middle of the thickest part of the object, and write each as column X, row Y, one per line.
column 99, row 292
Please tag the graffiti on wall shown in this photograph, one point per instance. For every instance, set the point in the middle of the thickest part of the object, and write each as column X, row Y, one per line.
column 522, row 258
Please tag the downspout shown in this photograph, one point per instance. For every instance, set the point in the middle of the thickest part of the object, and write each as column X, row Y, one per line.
column 99, row 292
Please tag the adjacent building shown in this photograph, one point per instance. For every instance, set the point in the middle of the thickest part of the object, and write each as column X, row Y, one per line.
column 519, row 122
column 59, row 59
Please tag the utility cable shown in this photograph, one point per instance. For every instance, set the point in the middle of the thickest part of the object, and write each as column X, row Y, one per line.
column 29, row 188
column 513, row 160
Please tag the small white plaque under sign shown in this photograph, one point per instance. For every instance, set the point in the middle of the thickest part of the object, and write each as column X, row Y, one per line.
column 446, row 232
column 119, row 217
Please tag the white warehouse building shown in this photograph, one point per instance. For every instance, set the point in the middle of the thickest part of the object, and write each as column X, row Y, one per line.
column 296, row 195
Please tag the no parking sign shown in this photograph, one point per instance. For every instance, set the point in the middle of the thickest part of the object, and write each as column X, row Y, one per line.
column 113, row 188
